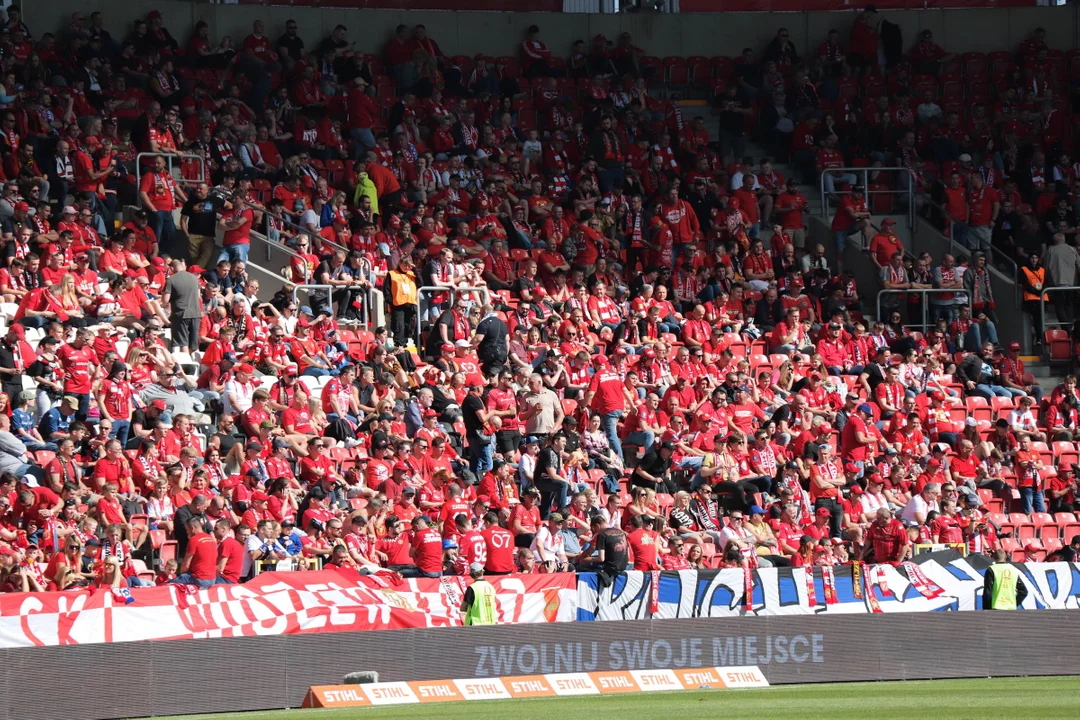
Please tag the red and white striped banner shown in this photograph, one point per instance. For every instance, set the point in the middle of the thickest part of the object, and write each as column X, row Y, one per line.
column 272, row 604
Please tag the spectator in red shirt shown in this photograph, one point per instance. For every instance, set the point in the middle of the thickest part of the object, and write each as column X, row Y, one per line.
column 200, row 562
column 887, row 540
column 427, row 548
column 231, row 551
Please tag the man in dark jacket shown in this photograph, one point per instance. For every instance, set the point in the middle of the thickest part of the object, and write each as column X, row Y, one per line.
column 981, row 378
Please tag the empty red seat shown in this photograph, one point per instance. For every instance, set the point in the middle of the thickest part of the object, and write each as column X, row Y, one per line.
column 1013, row 549
column 1057, row 344
column 979, row 409
column 1024, row 528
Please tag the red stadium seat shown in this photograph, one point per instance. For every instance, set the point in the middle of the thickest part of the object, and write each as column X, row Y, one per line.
column 1024, row 528
column 979, row 409
column 1001, row 407
column 1046, row 526
column 1014, row 549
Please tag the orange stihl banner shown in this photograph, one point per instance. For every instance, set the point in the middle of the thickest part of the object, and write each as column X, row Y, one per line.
column 533, row 686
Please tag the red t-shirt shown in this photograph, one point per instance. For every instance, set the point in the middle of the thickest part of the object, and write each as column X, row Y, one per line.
column 234, row 552
column 530, row 518
column 608, row 386
column 428, row 546
column 396, row 550
column 644, row 544
column 78, row 368
column 203, row 551
column 500, row 549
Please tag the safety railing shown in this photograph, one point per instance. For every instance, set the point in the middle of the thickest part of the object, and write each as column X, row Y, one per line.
column 363, row 293
column 1056, row 322
column 862, row 175
column 925, row 292
column 436, row 289
column 179, row 177
column 298, row 229
column 956, row 247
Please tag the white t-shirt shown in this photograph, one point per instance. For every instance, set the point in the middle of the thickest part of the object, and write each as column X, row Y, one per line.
column 917, row 505
column 546, row 546
column 242, row 394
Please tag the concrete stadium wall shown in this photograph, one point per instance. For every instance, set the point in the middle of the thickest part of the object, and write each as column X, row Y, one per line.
column 500, row 33
column 235, row 674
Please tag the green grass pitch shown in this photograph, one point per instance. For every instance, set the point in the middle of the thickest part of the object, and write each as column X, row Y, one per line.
column 978, row 699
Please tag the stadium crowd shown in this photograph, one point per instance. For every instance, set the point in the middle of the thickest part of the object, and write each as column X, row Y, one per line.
column 630, row 354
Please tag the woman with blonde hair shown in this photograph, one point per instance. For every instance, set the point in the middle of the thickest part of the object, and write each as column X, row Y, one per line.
column 68, row 298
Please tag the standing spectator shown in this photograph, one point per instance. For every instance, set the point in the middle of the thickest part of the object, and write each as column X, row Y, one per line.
column 402, row 294
column 183, row 297
column 1062, row 270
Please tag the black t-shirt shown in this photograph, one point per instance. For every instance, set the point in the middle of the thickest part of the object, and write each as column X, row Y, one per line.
column 732, row 122
column 201, row 215
column 612, row 542
column 653, row 464
column 293, row 45
column 493, row 347
column 474, row 428
column 874, row 375
column 547, row 458
column 435, row 339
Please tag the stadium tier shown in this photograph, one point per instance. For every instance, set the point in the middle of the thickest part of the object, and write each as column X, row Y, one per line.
column 284, row 304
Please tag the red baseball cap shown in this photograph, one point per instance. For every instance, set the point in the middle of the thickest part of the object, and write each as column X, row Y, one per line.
column 823, row 512
column 851, row 467
column 159, row 404
column 259, row 496
column 1014, row 345
column 933, row 463
column 888, row 221
column 18, row 330
column 245, row 368
column 446, row 347
column 22, row 206
column 429, row 413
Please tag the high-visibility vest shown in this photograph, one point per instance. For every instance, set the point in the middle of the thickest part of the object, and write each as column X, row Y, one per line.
column 402, row 288
column 1003, row 594
column 482, row 610
column 1034, row 277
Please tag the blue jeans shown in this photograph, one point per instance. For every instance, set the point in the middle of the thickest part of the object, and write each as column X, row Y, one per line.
column 1029, row 494
column 364, row 138
column 991, row 391
column 830, row 180
column 559, row 491
column 164, row 227
column 480, row 456
column 644, row 438
column 316, row 372
column 120, row 430
column 609, row 423
column 189, row 579
column 977, row 335
column 232, row 253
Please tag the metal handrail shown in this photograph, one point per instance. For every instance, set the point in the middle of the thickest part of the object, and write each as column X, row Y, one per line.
column 1042, row 305
column 921, row 291
column 994, row 253
column 365, row 315
column 301, row 229
column 169, row 163
column 865, row 171
column 453, row 293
